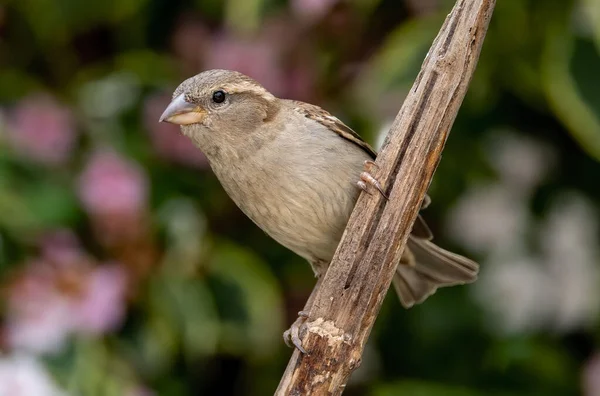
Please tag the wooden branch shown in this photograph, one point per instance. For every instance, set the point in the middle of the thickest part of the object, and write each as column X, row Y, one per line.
column 351, row 292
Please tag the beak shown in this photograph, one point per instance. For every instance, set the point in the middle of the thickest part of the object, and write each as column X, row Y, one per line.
column 182, row 113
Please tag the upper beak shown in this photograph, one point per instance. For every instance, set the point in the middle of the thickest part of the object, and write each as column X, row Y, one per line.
column 182, row 113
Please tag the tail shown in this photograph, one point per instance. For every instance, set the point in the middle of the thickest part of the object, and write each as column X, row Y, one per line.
column 425, row 266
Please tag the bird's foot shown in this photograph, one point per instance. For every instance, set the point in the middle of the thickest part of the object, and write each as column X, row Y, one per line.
column 293, row 335
column 426, row 202
column 366, row 179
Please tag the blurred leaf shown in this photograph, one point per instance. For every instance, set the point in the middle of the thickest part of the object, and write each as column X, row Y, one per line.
column 366, row 6
column 96, row 371
column 185, row 227
column 57, row 21
column 566, row 100
column 393, row 68
column 414, row 388
column 198, row 318
column 108, row 97
column 186, row 305
column 16, row 84
column 155, row 345
column 51, row 203
column 3, row 260
column 516, row 35
column 257, row 328
column 148, row 68
column 398, row 60
column 23, row 222
column 45, row 19
column 244, row 16
column 35, row 204
column 541, row 362
column 591, row 9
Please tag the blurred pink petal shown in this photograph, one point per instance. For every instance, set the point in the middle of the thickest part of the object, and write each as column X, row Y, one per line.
column 140, row 390
column 591, row 376
column 23, row 375
column 312, row 9
column 167, row 139
column 256, row 58
column 60, row 246
column 301, row 82
column 100, row 309
column 61, row 295
column 423, row 7
column 113, row 186
column 38, row 318
column 189, row 41
column 42, row 130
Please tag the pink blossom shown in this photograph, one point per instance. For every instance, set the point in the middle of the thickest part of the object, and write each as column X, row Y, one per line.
column 60, row 247
column 167, row 138
column 423, row 7
column 113, row 186
column 38, row 319
column 140, row 390
column 190, row 40
column 61, row 294
column 591, row 376
column 312, row 9
column 23, row 375
column 42, row 130
column 100, row 308
column 257, row 58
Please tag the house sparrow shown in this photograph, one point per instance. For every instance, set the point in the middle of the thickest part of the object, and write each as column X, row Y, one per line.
column 297, row 171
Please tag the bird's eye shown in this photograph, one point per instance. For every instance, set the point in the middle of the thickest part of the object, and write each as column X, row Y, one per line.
column 218, row 96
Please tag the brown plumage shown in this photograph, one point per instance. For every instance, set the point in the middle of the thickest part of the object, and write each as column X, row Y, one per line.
column 292, row 168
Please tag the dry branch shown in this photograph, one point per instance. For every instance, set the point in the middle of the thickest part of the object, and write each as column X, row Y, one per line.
column 351, row 292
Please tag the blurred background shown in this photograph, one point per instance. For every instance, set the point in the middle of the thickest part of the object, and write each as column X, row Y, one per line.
column 126, row 270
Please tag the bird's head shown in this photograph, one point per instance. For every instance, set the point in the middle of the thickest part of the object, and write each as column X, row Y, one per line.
column 221, row 102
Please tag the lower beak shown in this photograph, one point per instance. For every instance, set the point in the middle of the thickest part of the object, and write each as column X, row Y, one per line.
column 181, row 112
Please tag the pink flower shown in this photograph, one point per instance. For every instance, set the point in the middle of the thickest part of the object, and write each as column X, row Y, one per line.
column 257, row 58
column 38, row 319
column 60, row 247
column 423, row 7
column 312, row 9
column 189, row 41
column 113, row 186
column 167, row 138
column 100, row 308
column 591, row 376
column 60, row 294
column 42, row 130
column 139, row 390
column 23, row 375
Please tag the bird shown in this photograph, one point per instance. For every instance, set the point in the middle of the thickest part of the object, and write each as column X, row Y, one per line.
column 297, row 171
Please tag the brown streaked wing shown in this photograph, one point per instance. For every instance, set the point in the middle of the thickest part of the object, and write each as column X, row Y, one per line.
column 324, row 118
column 420, row 229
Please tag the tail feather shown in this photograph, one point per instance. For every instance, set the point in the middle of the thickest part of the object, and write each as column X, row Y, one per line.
column 425, row 266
